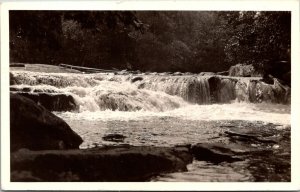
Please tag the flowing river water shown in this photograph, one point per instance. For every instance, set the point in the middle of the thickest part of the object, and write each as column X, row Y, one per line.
column 166, row 110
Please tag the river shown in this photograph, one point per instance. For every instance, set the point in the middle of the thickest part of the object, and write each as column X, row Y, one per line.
column 167, row 110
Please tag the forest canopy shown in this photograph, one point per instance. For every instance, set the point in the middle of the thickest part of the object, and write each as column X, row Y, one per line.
column 186, row 41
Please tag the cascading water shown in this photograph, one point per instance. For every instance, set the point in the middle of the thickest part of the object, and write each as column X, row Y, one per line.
column 192, row 89
column 156, row 95
column 160, row 110
column 98, row 92
column 151, row 92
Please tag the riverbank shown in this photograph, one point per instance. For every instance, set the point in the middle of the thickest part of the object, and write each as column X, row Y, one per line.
column 42, row 68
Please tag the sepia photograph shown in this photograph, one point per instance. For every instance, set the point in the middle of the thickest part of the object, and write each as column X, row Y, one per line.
column 149, row 96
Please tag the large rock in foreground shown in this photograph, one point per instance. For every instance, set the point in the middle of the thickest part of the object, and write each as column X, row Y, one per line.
column 34, row 127
column 125, row 163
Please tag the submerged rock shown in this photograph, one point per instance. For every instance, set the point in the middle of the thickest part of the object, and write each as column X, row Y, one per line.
column 99, row 164
column 136, row 79
column 114, row 137
column 34, row 127
column 248, row 137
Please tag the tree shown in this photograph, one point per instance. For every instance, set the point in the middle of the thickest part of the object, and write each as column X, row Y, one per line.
column 259, row 38
column 35, row 36
column 187, row 41
column 75, row 37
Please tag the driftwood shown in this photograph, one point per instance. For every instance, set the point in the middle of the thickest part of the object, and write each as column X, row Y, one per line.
column 85, row 69
column 94, row 70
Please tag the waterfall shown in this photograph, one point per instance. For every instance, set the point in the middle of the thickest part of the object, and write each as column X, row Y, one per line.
column 191, row 88
column 154, row 92
column 226, row 91
column 96, row 92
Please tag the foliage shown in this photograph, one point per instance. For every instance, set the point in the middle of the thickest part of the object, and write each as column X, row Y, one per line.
column 32, row 35
column 151, row 40
column 259, row 38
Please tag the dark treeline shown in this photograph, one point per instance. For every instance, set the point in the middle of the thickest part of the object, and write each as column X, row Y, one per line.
column 159, row 41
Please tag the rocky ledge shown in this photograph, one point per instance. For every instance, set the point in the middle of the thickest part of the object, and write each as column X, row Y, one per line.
column 50, row 99
column 127, row 163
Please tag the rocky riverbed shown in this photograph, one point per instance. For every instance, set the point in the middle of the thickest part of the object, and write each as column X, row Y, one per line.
column 148, row 127
column 137, row 157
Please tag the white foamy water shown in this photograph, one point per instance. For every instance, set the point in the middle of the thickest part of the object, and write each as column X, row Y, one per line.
column 165, row 110
column 152, row 92
column 270, row 113
column 112, row 95
column 135, row 97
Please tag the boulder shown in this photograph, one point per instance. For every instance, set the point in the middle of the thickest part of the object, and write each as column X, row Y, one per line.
column 122, row 163
column 282, row 92
column 34, row 127
column 275, row 93
column 52, row 101
column 258, row 91
column 268, row 79
column 242, row 70
column 215, row 153
column 12, row 79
